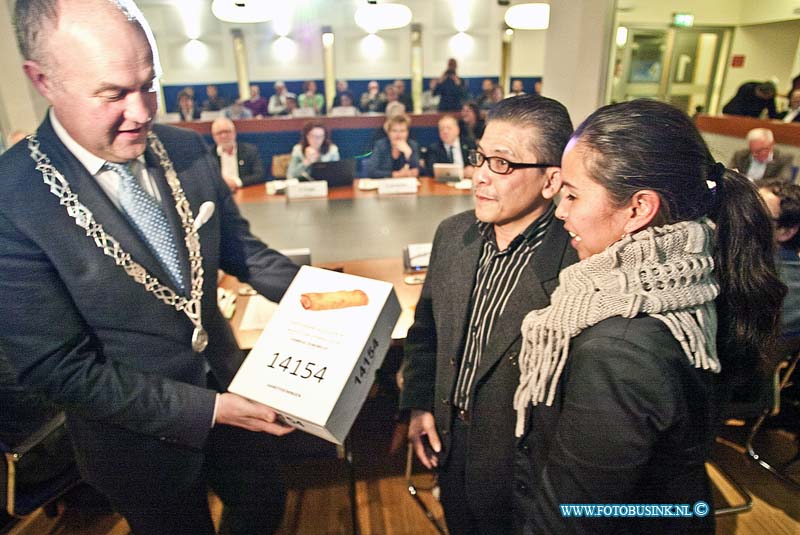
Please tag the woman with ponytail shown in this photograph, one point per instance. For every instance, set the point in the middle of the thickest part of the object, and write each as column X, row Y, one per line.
column 676, row 294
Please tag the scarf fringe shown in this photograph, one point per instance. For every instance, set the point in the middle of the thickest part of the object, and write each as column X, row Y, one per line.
column 665, row 272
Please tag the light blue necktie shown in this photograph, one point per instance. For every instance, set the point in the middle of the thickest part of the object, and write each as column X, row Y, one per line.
column 148, row 217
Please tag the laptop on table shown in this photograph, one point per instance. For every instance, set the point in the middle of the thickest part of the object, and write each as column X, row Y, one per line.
column 448, row 172
column 339, row 173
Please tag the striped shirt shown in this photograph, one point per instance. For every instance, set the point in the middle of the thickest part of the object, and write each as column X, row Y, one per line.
column 497, row 277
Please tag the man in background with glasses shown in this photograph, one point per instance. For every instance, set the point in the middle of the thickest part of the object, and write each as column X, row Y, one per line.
column 488, row 269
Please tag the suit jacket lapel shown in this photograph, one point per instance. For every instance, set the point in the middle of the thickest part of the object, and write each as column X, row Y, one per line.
column 532, row 293
column 91, row 195
column 463, row 268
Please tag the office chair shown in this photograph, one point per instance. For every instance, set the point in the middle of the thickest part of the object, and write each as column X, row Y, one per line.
column 763, row 400
column 280, row 164
column 22, row 499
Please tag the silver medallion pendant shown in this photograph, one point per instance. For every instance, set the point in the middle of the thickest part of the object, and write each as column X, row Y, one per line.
column 199, row 339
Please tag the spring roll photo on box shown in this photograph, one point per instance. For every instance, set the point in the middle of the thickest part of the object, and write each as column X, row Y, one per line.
column 316, row 360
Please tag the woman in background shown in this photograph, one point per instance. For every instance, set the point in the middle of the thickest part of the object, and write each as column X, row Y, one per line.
column 471, row 124
column 395, row 155
column 621, row 377
column 315, row 146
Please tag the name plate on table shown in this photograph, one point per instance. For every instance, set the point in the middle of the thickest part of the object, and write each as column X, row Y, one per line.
column 394, row 186
column 307, row 190
column 315, row 362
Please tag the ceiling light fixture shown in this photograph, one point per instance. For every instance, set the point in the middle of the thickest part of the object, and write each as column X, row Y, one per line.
column 243, row 11
column 528, row 16
column 375, row 17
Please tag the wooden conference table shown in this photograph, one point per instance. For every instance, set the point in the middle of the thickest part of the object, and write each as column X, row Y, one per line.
column 357, row 232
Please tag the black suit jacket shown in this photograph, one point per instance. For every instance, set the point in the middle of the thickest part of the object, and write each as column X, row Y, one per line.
column 746, row 102
column 251, row 168
column 435, row 344
column 77, row 328
column 438, row 154
column 632, row 422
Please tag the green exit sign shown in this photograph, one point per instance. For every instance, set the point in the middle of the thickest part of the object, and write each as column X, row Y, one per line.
column 682, row 20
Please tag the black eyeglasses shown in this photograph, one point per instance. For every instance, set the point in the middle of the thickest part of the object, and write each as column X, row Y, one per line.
column 501, row 166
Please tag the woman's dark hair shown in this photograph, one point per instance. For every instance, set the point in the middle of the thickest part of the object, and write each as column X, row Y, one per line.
column 645, row 144
column 471, row 104
column 308, row 127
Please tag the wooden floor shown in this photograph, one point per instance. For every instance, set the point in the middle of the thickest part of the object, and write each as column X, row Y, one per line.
column 318, row 502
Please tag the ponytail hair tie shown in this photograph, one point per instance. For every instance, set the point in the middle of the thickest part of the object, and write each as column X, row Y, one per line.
column 715, row 172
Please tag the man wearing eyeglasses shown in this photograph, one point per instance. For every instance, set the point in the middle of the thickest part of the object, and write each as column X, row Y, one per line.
column 240, row 163
column 488, row 268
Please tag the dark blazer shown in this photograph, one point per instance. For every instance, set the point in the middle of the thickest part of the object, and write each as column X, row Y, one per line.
column 632, row 422
column 381, row 164
column 780, row 167
column 746, row 102
column 438, row 154
column 77, row 328
column 251, row 168
column 435, row 344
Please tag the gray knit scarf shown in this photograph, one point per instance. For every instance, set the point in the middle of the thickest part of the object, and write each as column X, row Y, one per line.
column 665, row 272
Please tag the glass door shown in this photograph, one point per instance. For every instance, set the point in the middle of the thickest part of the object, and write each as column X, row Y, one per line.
column 682, row 66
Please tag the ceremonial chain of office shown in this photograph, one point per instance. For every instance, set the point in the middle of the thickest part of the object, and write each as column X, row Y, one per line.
column 83, row 218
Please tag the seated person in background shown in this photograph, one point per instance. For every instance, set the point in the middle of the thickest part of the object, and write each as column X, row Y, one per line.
column 451, row 147
column 342, row 87
column 430, row 101
column 257, row 104
column 792, row 115
column 389, row 96
column 237, row 111
column 277, row 102
column 516, row 89
column 752, row 99
column 315, row 146
column 345, row 105
column 395, row 155
column 497, row 95
column 762, row 161
column 310, row 98
column 402, row 96
column 239, row 162
column 484, row 100
column 783, row 203
column 372, row 99
column 291, row 104
column 392, row 109
column 186, row 108
column 213, row 101
column 471, row 124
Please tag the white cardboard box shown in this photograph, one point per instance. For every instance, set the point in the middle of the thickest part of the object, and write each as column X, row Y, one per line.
column 316, row 360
